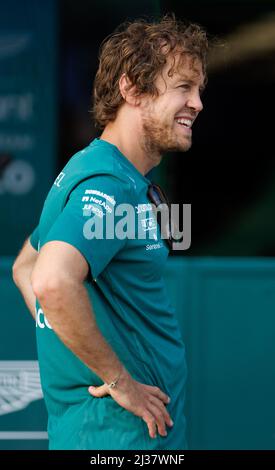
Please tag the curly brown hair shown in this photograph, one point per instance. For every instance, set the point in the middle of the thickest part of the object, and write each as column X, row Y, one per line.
column 140, row 49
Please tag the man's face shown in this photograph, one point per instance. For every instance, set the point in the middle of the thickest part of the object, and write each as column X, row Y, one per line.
column 167, row 120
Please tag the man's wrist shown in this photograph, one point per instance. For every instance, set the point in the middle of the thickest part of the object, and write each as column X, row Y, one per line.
column 118, row 379
column 114, row 382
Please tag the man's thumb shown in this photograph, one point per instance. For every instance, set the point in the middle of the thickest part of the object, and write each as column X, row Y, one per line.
column 98, row 391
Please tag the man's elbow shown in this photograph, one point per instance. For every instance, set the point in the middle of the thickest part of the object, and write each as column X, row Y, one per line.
column 24, row 264
column 49, row 290
column 16, row 272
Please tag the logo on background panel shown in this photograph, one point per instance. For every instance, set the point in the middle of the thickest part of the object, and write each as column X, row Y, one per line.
column 19, row 385
column 18, row 178
column 12, row 44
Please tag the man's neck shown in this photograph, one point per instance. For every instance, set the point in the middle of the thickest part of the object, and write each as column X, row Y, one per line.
column 131, row 148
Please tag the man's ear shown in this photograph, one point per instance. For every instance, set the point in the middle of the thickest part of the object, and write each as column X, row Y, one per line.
column 128, row 91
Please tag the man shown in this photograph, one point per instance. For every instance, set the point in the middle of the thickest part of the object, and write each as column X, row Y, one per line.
column 112, row 360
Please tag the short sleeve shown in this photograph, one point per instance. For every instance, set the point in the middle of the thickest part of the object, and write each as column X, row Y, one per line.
column 83, row 221
column 34, row 238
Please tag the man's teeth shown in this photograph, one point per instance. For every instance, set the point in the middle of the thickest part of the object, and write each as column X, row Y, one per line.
column 185, row 122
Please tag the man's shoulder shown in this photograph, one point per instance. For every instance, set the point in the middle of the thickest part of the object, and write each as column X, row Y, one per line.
column 91, row 169
column 96, row 160
column 112, row 187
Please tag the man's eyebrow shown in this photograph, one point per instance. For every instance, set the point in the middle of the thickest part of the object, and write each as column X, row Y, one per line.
column 191, row 82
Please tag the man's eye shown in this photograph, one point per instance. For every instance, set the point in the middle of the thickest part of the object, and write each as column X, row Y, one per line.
column 185, row 86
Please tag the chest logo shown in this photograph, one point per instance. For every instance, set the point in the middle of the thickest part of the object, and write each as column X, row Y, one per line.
column 148, row 224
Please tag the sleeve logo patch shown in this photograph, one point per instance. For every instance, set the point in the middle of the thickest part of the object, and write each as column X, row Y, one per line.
column 99, row 202
column 100, row 194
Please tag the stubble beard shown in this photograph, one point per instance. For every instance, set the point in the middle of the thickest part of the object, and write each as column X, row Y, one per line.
column 160, row 137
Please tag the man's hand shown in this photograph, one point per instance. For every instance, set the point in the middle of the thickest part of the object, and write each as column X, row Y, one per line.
column 142, row 400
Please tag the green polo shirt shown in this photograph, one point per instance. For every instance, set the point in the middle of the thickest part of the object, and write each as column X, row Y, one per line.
column 98, row 187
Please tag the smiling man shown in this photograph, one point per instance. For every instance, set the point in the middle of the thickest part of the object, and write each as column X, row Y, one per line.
column 167, row 121
column 162, row 123
column 112, row 359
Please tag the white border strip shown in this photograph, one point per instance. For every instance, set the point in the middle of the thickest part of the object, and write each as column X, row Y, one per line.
column 14, row 435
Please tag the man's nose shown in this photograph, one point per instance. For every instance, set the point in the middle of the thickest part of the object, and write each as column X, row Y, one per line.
column 194, row 101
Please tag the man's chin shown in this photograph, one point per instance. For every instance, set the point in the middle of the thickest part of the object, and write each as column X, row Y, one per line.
column 176, row 147
column 179, row 145
column 184, row 146
column 187, row 147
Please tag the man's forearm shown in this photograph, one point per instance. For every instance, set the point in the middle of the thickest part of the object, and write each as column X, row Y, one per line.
column 69, row 312
column 22, row 280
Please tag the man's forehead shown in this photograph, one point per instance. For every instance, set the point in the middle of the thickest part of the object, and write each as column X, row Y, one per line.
column 184, row 67
column 190, row 76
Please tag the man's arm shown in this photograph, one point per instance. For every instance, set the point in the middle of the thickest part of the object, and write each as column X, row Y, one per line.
column 57, row 282
column 22, row 270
